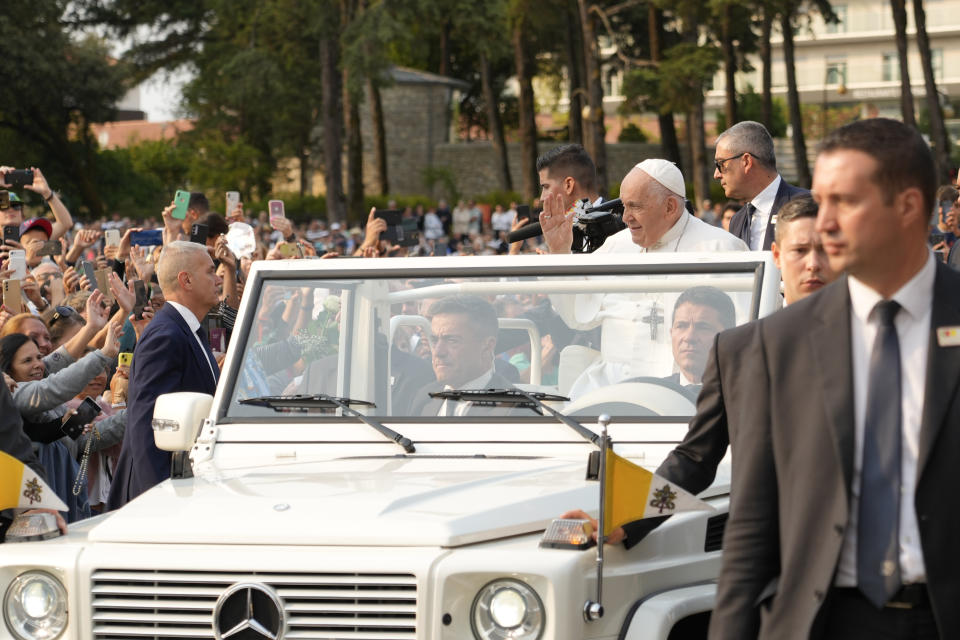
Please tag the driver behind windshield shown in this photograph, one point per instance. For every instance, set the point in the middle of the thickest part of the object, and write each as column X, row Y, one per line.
column 462, row 344
column 699, row 314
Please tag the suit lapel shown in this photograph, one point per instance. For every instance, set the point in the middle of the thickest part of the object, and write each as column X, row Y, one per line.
column 191, row 338
column 943, row 363
column 782, row 198
column 740, row 223
column 830, row 344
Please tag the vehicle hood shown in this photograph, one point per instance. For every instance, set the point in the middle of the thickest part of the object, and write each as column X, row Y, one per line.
column 375, row 502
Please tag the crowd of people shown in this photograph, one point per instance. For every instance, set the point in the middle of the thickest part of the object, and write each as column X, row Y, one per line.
column 110, row 310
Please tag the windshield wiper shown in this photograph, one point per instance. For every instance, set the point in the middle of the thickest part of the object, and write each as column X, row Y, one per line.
column 323, row 401
column 518, row 398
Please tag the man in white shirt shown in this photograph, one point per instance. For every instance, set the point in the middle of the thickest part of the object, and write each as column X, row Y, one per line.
column 746, row 167
column 842, row 521
column 462, row 343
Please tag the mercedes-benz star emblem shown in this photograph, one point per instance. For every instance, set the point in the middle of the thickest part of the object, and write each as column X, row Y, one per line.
column 249, row 611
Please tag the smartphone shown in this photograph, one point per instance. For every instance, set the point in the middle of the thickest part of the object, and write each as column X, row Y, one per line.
column 392, row 217
column 181, row 201
column 4, row 199
column 277, row 211
column 140, row 290
column 12, row 298
column 936, row 238
column 148, row 238
column 18, row 262
column 408, row 235
column 85, row 413
column 18, row 177
column 218, row 340
column 287, row 250
column 199, row 233
column 50, row 248
column 440, row 248
column 523, row 211
column 11, row 232
column 125, row 359
column 103, row 283
column 111, row 238
column 233, row 199
column 90, row 271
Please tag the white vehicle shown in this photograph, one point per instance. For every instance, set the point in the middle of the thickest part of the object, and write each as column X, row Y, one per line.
column 311, row 514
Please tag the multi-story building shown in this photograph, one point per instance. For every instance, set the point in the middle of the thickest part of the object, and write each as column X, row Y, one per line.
column 854, row 62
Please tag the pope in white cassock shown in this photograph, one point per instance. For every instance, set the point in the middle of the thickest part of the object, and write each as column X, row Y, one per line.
column 653, row 195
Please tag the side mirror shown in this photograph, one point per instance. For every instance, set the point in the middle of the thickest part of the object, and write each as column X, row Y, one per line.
column 177, row 418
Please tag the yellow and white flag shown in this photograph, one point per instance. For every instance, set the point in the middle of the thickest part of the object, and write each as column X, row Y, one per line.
column 632, row 493
column 20, row 487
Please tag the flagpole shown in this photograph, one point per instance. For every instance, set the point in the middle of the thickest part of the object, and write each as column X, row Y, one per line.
column 594, row 610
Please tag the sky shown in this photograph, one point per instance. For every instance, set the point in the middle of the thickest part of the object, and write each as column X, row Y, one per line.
column 160, row 96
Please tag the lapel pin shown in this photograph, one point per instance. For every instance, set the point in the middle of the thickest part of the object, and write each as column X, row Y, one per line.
column 948, row 336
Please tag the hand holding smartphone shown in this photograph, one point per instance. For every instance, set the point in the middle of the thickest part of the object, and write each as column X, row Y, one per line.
column 84, row 415
column 181, row 202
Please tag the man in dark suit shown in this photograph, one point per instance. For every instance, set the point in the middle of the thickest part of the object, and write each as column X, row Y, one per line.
column 842, row 522
column 746, row 167
column 464, row 337
column 173, row 354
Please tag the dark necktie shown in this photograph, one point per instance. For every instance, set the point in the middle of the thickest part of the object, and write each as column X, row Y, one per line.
column 878, row 537
column 745, row 234
column 208, row 354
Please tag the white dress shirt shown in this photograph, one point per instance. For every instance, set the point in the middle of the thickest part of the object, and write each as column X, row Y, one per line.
column 913, row 333
column 763, row 203
column 461, row 408
column 193, row 324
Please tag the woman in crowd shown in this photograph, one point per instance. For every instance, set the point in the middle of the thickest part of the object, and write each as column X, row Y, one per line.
column 41, row 401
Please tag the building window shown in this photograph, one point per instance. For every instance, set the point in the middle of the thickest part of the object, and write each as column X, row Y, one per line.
column 836, row 72
column 838, row 27
column 891, row 67
column 936, row 61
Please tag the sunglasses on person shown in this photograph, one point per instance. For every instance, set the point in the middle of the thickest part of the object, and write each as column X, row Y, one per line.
column 62, row 312
column 719, row 163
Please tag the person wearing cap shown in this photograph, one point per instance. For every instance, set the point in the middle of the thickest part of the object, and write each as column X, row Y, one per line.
column 33, row 233
column 746, row 167
column 657, row 222
column 13, row 215
column 653, row 195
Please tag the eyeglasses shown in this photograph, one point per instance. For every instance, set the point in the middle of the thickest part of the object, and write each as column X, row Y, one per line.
column 62, row 312
column 719, row 163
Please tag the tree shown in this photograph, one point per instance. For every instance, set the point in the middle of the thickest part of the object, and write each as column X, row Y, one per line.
column 793, row 97
column 906, row 91
column 596, row 130
column 938, row 131
column 790, row 12
column 55, row 93
column 528, row 125
column 767, row 12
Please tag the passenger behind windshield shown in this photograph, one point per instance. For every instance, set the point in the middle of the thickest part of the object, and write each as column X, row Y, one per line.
column 462, row 347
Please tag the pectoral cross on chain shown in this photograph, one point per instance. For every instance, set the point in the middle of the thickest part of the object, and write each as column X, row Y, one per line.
column 654, row 319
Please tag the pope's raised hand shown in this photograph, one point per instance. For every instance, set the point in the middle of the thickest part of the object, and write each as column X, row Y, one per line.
column 557, row 224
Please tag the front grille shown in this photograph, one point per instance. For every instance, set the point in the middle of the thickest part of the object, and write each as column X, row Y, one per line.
column 715, row 527
column 168, row 605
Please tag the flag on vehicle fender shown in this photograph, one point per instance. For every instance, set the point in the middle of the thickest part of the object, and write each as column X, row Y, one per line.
column 632, row 493
column 20, row 486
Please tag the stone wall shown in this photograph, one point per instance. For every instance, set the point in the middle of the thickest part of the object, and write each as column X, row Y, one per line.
column 416, row 121
column 473, row 166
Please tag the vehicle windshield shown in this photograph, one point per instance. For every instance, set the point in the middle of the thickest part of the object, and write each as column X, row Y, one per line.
column 629, row 344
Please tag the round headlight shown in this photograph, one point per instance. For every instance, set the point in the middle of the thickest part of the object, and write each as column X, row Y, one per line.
column 507, row 610
column 35, row 606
